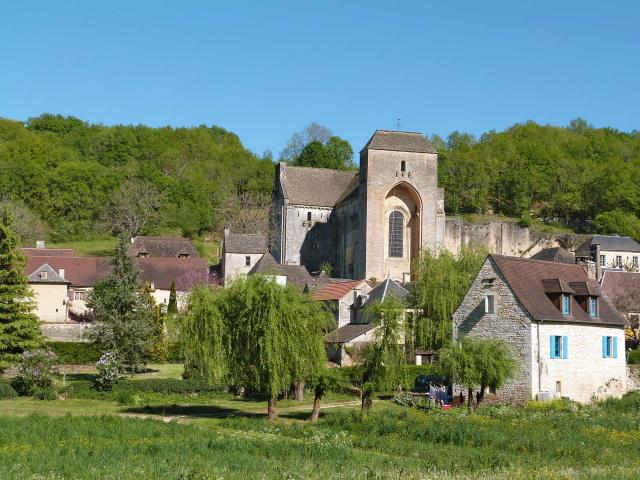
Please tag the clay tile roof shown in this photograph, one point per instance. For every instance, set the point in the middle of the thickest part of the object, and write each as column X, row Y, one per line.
column 316, row 187
column 297, row 275
column 348, row 332
column 556, row 285
column 556, row 254
column 78, row 271
column 245, row 243
column 162, row 271
column 48, row 252
column 336, row 290
column 162, row 247
column 525, row 278
column 399, row 142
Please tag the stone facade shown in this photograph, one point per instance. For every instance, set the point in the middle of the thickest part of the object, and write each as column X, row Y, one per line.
column 511, row 323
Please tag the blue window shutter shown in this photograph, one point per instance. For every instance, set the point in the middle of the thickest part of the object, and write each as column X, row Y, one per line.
column 553, row 346
column 604, row 347
column 615, row 347
column 565, row 347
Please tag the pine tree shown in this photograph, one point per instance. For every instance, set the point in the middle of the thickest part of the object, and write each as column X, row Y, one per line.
column 19, row 326
column 123, row 312
column 172, row 307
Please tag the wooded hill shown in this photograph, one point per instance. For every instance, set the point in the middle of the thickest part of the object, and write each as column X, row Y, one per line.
column 69, row 180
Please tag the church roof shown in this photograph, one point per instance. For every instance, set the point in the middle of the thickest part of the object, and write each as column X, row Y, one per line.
column 318, row 187
column 399, row 142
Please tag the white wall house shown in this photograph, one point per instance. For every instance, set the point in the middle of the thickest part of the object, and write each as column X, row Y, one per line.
column 565, row 336
column 240, row 254
column 611, row 251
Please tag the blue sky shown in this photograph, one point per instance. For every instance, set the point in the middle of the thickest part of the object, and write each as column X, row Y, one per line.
column 266, row 69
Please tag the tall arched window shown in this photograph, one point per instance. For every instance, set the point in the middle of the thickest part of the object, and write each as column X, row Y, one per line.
column 396, row 233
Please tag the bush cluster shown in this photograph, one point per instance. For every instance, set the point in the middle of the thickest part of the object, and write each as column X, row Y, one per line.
column 634, row 357
column 74, row 353
column 7, row 392
column 35, row 372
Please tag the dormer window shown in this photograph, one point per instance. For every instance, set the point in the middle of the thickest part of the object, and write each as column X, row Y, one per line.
column 43, row 275
column 593, row 307
column 566, row 304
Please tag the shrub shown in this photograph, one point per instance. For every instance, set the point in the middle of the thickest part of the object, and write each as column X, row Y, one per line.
column 35, row 371
column 634, row 357
column 45, row 394
column 555, row 405
column 108, row 374
column 7, row 392
column 75, row 353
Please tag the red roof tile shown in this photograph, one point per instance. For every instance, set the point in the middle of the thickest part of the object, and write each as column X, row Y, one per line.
column 336, row 290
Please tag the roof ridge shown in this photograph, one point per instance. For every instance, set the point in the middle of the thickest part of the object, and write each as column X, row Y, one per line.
column 322, row 169
column 529, row 259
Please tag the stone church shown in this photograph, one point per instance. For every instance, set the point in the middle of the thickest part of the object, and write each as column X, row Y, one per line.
column 368, row 223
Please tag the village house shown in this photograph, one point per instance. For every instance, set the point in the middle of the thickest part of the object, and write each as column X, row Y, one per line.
column 61, row 281
column 349, row 301
column 610, row 251
column 240, row 253
column 566, row 337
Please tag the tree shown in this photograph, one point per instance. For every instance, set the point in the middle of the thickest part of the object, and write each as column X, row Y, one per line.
column 383, row 358
column 617, row 221
column 321, row 381
column 123, row 312
column 274, row 338
column 26, row 224
column 172, row 306
column 441, row 281
column 19, row 326
column 476, row 362
column 336, row 154
column 313, row 132
column 135, row 208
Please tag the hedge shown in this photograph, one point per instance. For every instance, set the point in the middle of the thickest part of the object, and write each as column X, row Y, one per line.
column 74, row 353
column 7, row 392
column 634, row 357
column 353, row 375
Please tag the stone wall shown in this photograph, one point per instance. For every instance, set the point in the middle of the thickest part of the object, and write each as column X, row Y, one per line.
column 504, row 238
column 633, row 377
column 65, row 332
column 235, row 264
column 510, row 323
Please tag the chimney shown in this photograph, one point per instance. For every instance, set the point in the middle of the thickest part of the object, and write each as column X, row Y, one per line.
column 356, row 295
column 40, row 244
column 598, row 266
column 61, row 272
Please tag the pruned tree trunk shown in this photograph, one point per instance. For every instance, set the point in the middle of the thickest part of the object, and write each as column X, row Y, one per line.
column 366, row 403
column 470, row 399
column 315, row 413
column 298, row 390
column 272, row 409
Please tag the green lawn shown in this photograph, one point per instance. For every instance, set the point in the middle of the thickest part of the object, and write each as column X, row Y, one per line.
column 217, row 435
column 89, row 248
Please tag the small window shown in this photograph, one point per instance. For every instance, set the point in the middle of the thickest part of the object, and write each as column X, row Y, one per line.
column 247, row 261
column 403, row 166
column 559, row 346
column 618, row 261
column 603, row 260
column 308, row 216
column 593, row 307
column 634, row 262
column 43, row 275
column 558, row 386
column 609, row 347
column 490, row 304
column 566, row 304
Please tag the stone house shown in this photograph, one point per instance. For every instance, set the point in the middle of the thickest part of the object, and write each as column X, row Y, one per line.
column 610, row 251
column 240, row 253
column 368, row 223
column 294, row 275
column 564, row 334
column 555, row 254
column 354, row 329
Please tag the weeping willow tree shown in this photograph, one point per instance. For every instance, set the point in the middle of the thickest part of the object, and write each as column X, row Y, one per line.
column 255, row 334
column 441, row 282
column 384, row 358
column 205, row 336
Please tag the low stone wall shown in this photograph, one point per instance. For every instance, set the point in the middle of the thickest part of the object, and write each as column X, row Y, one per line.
column 65, row 332
column 633, row 377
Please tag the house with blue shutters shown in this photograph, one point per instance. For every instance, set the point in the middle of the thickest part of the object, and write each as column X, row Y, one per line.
column 566, row 336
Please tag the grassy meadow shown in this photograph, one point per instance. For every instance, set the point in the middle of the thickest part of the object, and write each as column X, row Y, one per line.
column 155, row 426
